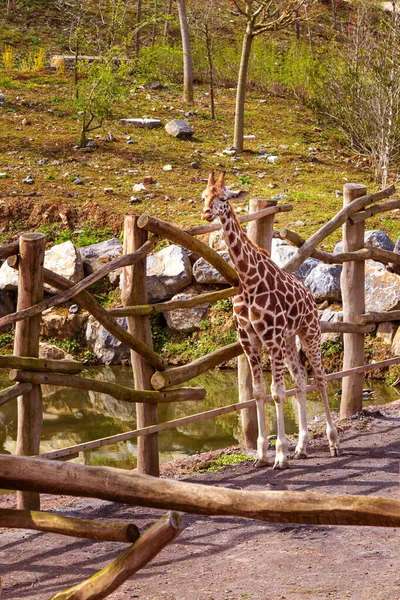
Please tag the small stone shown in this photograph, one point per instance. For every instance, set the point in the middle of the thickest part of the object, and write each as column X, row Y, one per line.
column 338, row 193
column 109, row 191
column 130, row 142
column 42, row 161
column 229, row 152
column 77, row 181
column 148, row 179
column 74, row 308
column 138, row 187
column 135, row 200
column 110, row 136
column 26, row 121
column 28, row 180
column 179, row 128
column 90, row 144
column 249, row 137
column 2, row 98
column 167, row 168
column 272, row 159
column 272, row 185
column 195, row 165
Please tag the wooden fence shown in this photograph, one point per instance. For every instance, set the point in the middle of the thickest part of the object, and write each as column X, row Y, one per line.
column 155, row 382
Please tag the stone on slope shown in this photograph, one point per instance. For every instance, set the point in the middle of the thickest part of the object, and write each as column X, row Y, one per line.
column 206, row 274
column 105, row 346
column 324, row 282
column 188, row 319
column 179, row 128
column 382, row 289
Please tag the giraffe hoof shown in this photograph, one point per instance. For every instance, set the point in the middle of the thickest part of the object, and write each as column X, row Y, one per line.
column 260, row 463
column 300, row 455
column 336, row 451
column 281, row 465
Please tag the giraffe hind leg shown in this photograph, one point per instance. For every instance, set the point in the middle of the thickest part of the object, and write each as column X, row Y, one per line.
column 299, row 377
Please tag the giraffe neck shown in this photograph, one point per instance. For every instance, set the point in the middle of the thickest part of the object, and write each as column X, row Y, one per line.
column 240, row 248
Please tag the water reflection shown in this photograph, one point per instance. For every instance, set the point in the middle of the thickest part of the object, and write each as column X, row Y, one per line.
column 75, row 416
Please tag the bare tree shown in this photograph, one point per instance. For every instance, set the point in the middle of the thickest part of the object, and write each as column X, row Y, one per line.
column 261, row 16
column 188, row 95
column 168, row 13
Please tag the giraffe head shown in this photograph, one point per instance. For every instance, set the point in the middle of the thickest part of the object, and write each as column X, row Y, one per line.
column 215, row 197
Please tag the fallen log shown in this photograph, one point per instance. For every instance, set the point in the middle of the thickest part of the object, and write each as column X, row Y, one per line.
column 117, row 485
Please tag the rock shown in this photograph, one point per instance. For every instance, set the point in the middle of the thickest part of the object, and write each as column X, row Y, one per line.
column 144, row 123
column 64, row 259
column 105, row 346
column 382, row 289
column 29, row 180
column 8, row 277
column 96, row 256
column 50, row 352
column 8, row 304
column 396, row 343
column 331, row 316
column 148, row 180
column 138, row 187
column 387, row 331
column 109, row 191
column 167, row 168
column 168, row 272
column 281, row 252
column 374, row 238
column 179, row 128
column 392, row 267
column 195, row 165
column 229, row 152
column 74, row 309
column 62, row 325
column 272, row 159
column 2, row 98
column 155, row 85
column 216, row 241
column 324, row 282
column 77, row 181
column 204, row 273
column 189, row 319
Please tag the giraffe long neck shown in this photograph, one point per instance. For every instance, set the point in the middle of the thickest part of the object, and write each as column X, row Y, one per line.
column 239, row 246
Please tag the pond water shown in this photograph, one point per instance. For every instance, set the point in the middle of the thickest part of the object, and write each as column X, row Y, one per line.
column 75, row 416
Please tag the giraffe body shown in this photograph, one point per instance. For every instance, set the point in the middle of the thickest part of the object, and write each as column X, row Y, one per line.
column 272, row 308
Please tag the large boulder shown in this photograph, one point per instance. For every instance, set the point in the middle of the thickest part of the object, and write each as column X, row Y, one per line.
column 96, row 256
column 206, row 274
column 168, row 273
column 387, row 331
column 188, row 319
column 61, row 325
column 382, row 289
column 392, row 267
column 373, row 238
column 324, row 282
column 51, row 352
column 331, row 316
column 105, row 346
column 216, row 241
column 179, row 128
column 282, row 252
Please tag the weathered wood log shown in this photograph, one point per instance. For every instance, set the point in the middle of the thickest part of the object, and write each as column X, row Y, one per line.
column 14, row 391
column 179, row 236
column 374, row 210
column 150, row 309
column 210, row 414
column 378, row 317
column 103, row 583
column 352, row 282
column 9, row 249
column 343, row 327
column 134, row 291
column 110, row 531
column 26, row 343
column 135, row 488
column 62, row 297
column 341, row 217
column 86, row 301
column 115, row 390
column 40, row 364
column 253, row 216
column 178, row 375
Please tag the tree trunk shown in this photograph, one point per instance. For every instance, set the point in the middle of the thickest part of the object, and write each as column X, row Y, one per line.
column 188, row 95
column 138, row 19
column 166, row 24
column 241, row 89
column 210, row 72
column 153, row 37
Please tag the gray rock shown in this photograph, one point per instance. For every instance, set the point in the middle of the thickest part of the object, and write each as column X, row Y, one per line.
column 216, row 241
column 61, row 325
column 189, row 319
column 281, row 252
column 387, row 331
column 50, row 352
column 324, row 282
column 204, row 273
column 29, row 180
column 331, row 316
column 2, row 98
column 8, row 277
column 105, row 346
column 382, row 289
column 179, row 128
column 374, row 238
column 65, row 260
column 391, row 266
column 96, row 256
column 143, row 123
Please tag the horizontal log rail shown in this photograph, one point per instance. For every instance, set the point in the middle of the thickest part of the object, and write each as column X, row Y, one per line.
column 86, row 301
column 344, row 327
column 63, row 453
column 341, row 217
column 57, row 299
column 270, row 210
column 115, row 390
column 374, row 210
column 40, row 364
column 151, row 309
column 108, row 531
column 179, row 236
column 14, row 391
column 9, row 249
column 378, row 317
column 104, row 582
column 116, row 485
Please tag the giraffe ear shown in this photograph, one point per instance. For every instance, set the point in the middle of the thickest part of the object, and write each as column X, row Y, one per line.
column 211, row 179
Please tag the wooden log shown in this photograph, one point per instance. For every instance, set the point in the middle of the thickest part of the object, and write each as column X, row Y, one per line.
column 343, row 327
column 136, row 488
column 109, row 531
column 14, row 391
column 179, row 236
column 26, row 343
column 62, row 297
column 374, row 210
column 178, row 375
column 210, row 414
column 103, row 583
column 261, row 233
column 253, row 216
column 115, row 390
column 40, row 364
column 341, row 217
column 151, row 309
column 86, row 301
column 352, row 282
column 378, row 317
column 9, row 249
column 134, row 291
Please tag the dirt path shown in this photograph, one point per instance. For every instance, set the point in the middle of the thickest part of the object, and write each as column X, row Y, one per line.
column 224, row 558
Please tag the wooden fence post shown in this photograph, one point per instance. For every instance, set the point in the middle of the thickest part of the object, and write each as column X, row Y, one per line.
column 135, row 292
column 353, row 297
column 261, row 233
column 30, row 291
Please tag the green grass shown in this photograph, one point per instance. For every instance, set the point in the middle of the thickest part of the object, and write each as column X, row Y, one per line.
column 226, row 460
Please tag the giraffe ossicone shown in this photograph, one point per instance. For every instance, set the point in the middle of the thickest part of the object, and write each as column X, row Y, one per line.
column 272, row 308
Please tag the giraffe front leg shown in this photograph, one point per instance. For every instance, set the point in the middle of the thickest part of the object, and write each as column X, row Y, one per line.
column 252, row 348
column 278, row 394
column 299, row 376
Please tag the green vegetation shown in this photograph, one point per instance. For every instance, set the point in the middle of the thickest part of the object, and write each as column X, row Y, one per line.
column 226, row 460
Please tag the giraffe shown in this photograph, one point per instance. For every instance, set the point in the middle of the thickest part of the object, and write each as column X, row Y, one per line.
column 272, row 308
